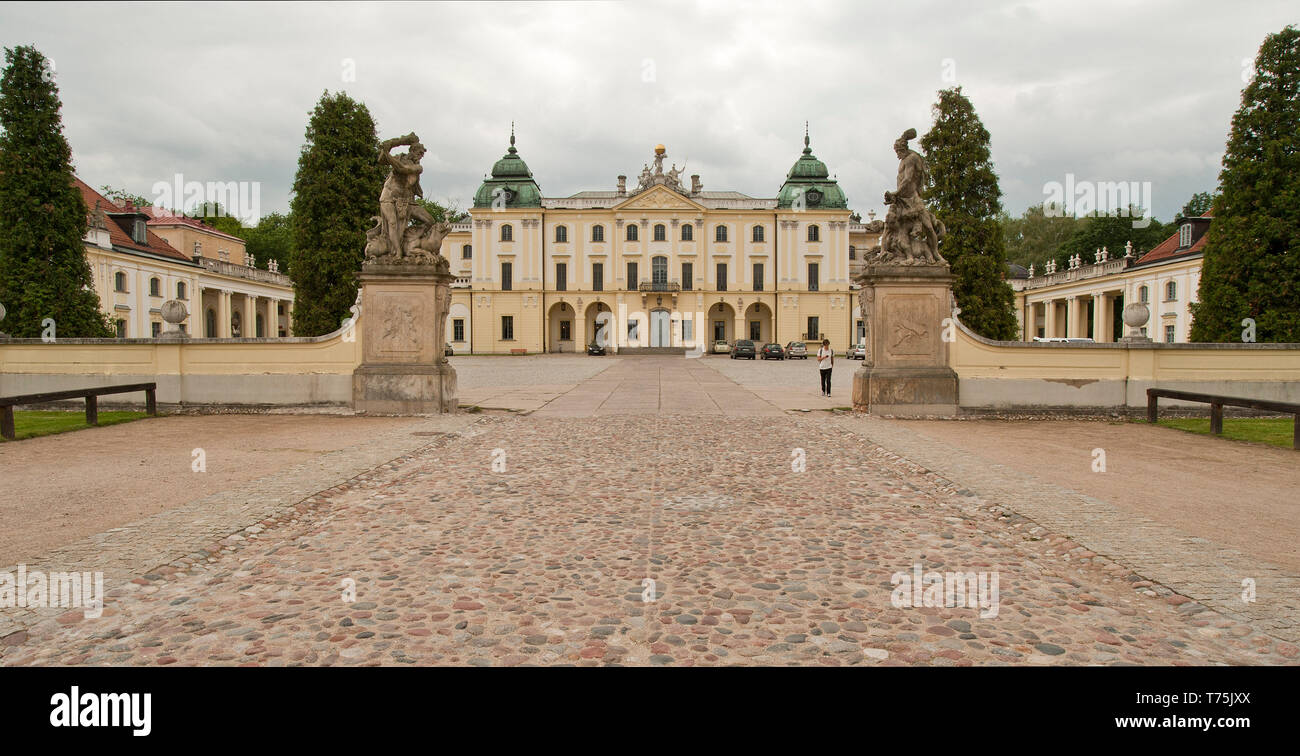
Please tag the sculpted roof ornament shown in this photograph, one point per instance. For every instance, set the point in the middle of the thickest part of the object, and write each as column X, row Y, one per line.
column 658, row 177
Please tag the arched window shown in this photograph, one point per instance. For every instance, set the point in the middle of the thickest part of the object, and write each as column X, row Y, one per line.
column 719, row 233
column 814, row 233
column 688, row 232
column 661, row 233
column 598, row 233
column 119, row 281
column 1171, row 291
column 507, row 233
column 758, row 234
column 180, row 290
column 631, row 232
column 561, row 234
column 1144, row 294
column 155, row 287
column 466, row 252
column 210, row 324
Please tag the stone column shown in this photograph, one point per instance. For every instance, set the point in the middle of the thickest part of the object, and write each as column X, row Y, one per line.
column 907, row 372
column 250, row 316
column 288, row 317
column 402, row 325
column 223, row 313
column 1098, row 312
column 1049, row 318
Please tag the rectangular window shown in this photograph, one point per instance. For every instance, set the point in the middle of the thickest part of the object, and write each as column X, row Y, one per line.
column 561, row 275
column 507, row 276
column 507, row 327
column 631, row 276
column 688, row 330
column 458, row 329
column 719, row 330
column 814, row 328
column 755, row 330
column 631, row 331
column 722, row 276
column 688, row 276
column 598, row 276
column 121, row 329
column 758, row 275
column 156, row 329
column 1169, row 334
column 566, row 330
column 814, row 273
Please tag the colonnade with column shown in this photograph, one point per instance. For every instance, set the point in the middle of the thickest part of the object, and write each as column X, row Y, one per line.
column 248, row 306
column 1067, row 316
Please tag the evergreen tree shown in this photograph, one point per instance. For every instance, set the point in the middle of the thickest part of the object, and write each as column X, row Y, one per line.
column 336, row 192
column 43, row 218
column 965, row 195
column 1251, row 267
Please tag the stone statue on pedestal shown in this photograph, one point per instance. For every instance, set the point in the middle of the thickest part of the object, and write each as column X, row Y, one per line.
column 912, row 233
column 404, row 232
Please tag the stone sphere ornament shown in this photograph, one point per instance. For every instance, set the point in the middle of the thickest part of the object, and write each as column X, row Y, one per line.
column 1136, row 315
column 174, row 312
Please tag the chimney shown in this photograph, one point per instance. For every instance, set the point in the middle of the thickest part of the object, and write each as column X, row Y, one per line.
column 696, row 186
column 622, row 185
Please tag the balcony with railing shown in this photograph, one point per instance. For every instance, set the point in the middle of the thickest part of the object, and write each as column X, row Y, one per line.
column 235, row 270
column 654, row 286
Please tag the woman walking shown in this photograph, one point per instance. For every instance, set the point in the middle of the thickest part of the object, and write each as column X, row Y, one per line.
column 826, row 363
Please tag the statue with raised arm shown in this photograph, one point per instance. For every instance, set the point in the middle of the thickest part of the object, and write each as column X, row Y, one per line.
column 397, row 200
column 912, row 233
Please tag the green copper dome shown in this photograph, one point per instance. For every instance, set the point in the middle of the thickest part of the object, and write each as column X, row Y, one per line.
column 510, row 180
column 810, row 179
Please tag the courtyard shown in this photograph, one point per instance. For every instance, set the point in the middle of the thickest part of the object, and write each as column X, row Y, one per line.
column 650, row 511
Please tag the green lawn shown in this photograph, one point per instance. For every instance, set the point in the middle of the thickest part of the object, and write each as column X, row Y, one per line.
column 1276, row 431
column 29, row 424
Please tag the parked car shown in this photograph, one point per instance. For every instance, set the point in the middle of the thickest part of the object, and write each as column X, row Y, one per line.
column 773, row 351
column 1061, row 340
column 721, row 347
column 796, row 350
column 447, row 351
column 857, row 352
column 595, row 349
column 744, row 349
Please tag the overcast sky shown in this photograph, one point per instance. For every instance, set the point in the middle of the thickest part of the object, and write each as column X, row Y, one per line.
column 1108, row 91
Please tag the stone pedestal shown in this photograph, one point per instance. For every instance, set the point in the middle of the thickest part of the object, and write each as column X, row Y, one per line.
column 403, row 320
column 906, row 370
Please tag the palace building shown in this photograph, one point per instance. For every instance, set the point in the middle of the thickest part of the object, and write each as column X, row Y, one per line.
column 1086, row 300
column 660, row 264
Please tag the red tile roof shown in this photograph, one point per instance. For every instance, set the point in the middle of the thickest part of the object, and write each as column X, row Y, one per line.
column 1169, row 248
column 165, row 218
column 155, row 244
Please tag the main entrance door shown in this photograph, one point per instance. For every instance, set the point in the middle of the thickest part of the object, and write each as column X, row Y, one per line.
column 659, row 330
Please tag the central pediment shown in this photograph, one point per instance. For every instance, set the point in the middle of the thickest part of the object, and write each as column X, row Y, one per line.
column 658, row 198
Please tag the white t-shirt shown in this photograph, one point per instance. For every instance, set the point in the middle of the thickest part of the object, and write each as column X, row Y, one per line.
column 824, row 358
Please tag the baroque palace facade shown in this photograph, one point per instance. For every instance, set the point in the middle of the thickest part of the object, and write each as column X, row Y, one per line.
column 660, row 265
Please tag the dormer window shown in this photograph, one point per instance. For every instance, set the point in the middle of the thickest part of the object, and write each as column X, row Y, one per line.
column 138, row 234
column 1185, row 236
column 198, row 249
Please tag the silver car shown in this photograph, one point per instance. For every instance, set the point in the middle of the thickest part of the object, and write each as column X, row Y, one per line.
column 857, row 352
column 796, row 350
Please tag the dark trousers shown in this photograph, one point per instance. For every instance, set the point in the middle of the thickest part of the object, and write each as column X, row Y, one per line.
column 826, row 380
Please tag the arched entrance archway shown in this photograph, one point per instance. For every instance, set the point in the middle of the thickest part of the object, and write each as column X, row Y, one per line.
column 721, row 323
column 561, row 328
column 598, row 327
column 758, row 323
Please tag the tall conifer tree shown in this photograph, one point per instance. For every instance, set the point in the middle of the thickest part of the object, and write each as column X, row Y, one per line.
column 965, row 196
column 336, row 192
column 1251, row 267
column 43, row 268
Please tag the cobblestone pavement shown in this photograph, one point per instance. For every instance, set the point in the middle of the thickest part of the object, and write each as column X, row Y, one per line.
column 523, row 382
column 544, row 562
column 791, row 384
